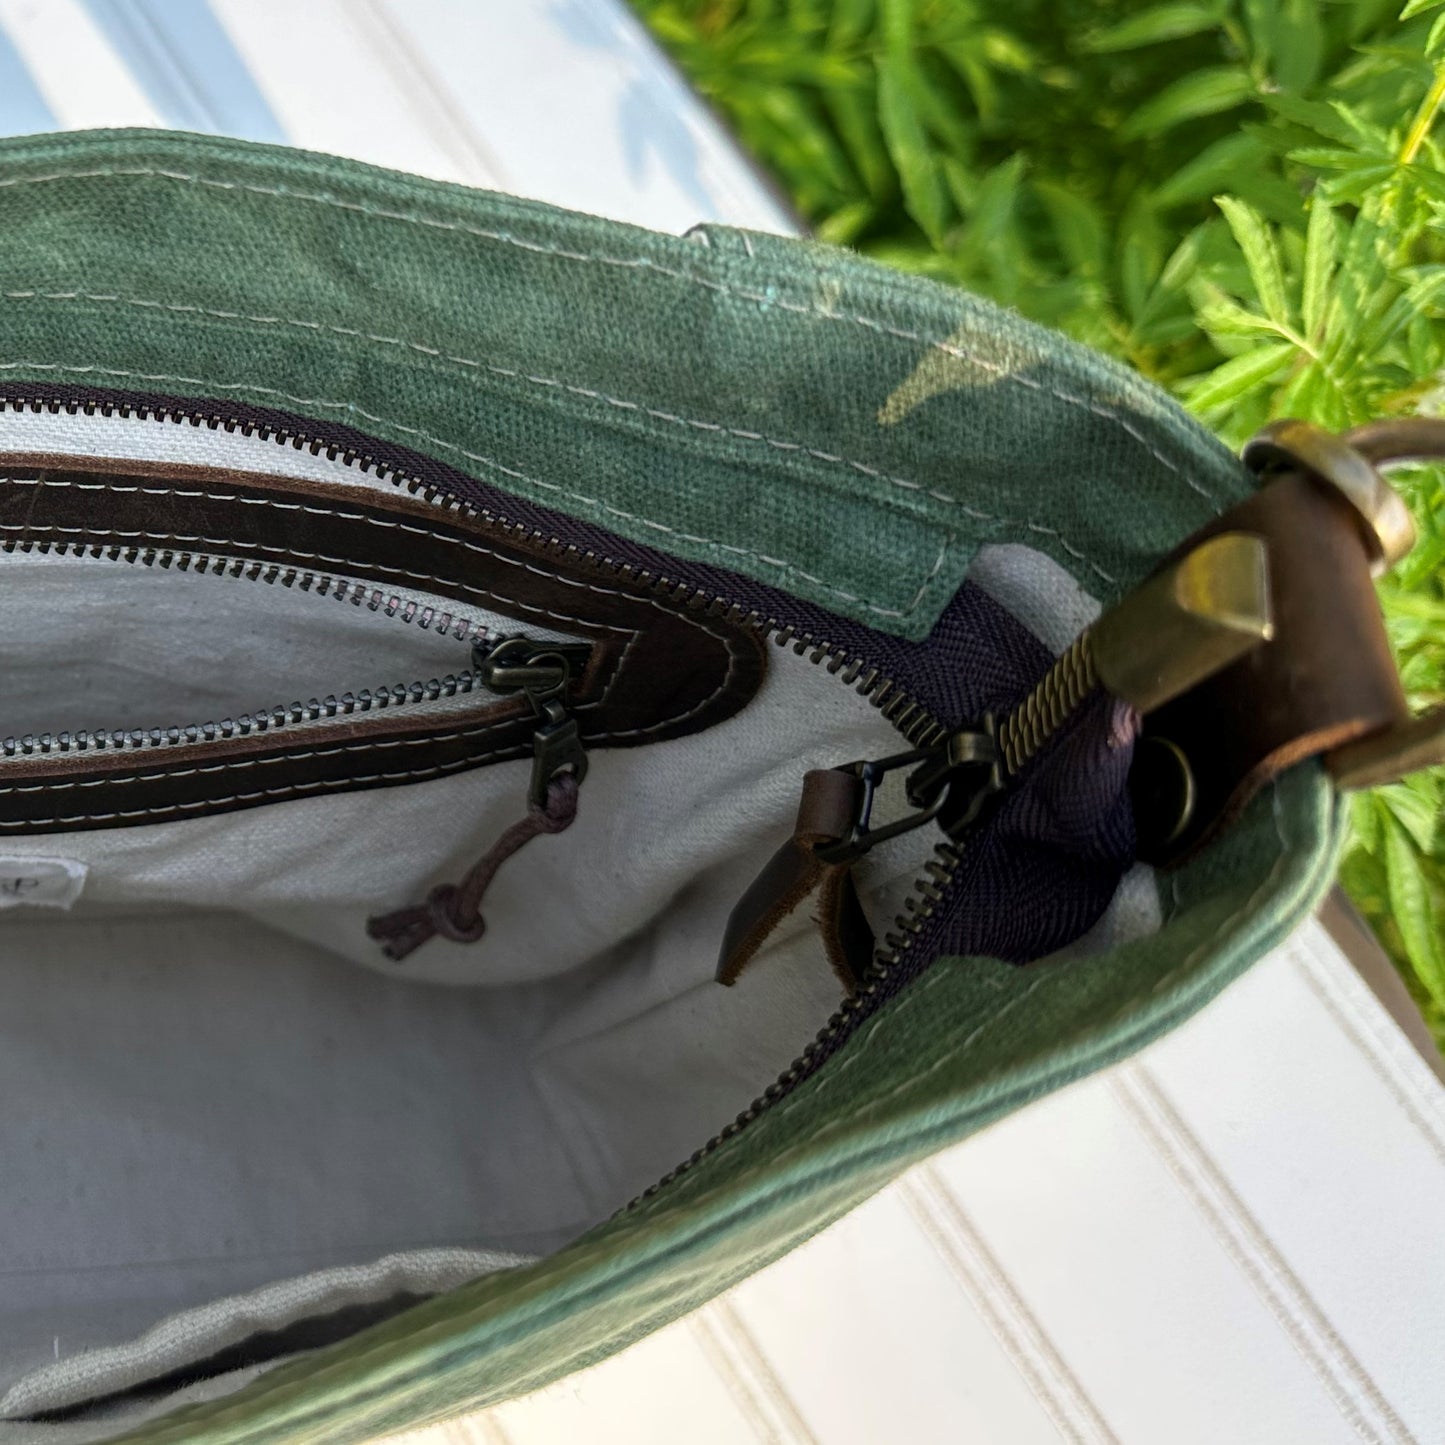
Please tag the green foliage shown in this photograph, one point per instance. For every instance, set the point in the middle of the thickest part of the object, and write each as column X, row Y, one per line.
column 1241, row 198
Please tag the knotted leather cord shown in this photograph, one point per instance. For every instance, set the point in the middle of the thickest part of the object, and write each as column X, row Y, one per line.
column 454, row 910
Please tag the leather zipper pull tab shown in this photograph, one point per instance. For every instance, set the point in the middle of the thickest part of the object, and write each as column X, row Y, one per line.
column 950, row 784
column 828, row 812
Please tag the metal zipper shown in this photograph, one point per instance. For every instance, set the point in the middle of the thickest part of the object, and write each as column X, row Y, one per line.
column 287, row 715
column 542, row 673
column 919, row 728
column 1003, row 747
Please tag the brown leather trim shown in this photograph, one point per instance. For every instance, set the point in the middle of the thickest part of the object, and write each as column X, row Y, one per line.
column 658, row 669
column 1327, row 675
column 825, row 814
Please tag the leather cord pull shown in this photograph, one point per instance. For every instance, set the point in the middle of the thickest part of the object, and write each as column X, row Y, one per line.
column 826, row 813
column 454, row 910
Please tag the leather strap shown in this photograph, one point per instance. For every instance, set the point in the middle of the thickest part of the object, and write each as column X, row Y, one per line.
column 826, row 813
column 1326, row 677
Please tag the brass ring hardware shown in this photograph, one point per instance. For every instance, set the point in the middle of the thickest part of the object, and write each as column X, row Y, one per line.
column 1388, row 528
column 1303, row 666
column 1419, row 743
column 1161, row 790
column 1350, row 463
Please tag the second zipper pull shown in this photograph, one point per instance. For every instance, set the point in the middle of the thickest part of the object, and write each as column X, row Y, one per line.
column 542, row 671
column 950, row 784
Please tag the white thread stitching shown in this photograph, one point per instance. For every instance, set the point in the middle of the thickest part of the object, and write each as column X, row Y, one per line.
column 311, row 788
column 341, row 562
column 640, row 263
column 849, row 1059
column 471, row 761
column 589, row 1252
column 594, row 503
column 507, row 603
column 340, row 749
column 512, row 373
column 730, row 651
column 203, row 769
column 182, row 541
column 767, row 299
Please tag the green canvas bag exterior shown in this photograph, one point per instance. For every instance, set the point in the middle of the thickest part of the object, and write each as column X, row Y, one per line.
column 840, row 431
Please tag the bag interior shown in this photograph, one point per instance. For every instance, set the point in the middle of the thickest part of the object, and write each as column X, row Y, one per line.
column 227, row 1112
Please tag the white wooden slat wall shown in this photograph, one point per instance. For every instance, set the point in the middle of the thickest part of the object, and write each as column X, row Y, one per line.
column 1238, row 1236
column 73, row 65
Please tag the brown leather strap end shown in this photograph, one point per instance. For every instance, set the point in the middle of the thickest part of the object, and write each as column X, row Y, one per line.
column 1326, row 677
column 826, row 813
column 847, row 935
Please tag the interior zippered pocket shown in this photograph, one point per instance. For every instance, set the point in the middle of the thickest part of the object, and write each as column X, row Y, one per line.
column 169, row 729
column 148, row 652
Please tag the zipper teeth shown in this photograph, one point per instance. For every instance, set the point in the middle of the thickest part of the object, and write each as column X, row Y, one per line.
column 341, row 589
column 239, row 426
column 1022, row 735
column 244, row 724
column 917, row 725
column 1063, row 688
column 918, row 907
column 921, row 730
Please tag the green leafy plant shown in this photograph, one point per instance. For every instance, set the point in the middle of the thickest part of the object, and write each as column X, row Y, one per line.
column 1241, row 198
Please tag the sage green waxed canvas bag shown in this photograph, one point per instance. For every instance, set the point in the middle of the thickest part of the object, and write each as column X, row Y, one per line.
column 373, row 544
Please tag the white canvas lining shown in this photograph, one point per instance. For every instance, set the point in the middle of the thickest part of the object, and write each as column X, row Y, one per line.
column 107, row 644
column 202, row 1333
column 207, row 1102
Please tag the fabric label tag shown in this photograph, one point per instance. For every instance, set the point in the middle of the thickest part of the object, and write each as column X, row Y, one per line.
column 49, row 882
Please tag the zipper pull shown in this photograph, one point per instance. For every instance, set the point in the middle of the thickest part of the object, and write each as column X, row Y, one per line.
column 950, row 783
column 543, row 671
